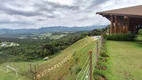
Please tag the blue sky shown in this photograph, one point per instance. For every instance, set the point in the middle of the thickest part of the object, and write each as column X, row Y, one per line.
column 16, row 14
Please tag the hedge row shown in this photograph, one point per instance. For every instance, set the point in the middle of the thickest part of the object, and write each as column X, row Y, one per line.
column 121, row 37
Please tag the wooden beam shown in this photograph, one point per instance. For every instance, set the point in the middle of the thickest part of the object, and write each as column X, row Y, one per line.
column 118, row 28
column 134, row 16
column 127, row 27
column 126, row 24
column 120, row 21
column 111, row 26
column 116, row 25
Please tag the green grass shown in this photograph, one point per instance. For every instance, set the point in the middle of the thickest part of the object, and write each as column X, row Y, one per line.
column 80, row 48
column 11, row 76
column 4, row 76
column 22, row 69
column 125, row 60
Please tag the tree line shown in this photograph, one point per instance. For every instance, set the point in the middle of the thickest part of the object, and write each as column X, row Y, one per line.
column 30, row 50
column 37, row 49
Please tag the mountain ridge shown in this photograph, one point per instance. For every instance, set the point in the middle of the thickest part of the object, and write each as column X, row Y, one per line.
column 52, row 29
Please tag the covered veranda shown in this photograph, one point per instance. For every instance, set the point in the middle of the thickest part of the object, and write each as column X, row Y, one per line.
column 124, row 20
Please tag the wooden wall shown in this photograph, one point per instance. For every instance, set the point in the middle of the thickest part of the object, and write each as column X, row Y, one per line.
column 123, row 24
column 119, row 24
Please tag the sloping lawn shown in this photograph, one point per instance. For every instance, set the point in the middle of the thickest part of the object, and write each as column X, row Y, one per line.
column 125, row 60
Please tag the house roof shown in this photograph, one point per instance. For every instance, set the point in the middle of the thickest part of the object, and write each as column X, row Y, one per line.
column 129, row 11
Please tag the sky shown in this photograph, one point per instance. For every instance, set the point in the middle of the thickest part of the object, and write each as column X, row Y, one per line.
column 17, row 14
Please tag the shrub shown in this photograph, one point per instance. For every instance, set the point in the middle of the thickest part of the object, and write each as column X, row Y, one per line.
column 140, row 32
column 76, row 60
column 101, row 65
column 103, row 52
column 121, row 37
column 76, row 69
column 139, row 37
column 98, row 75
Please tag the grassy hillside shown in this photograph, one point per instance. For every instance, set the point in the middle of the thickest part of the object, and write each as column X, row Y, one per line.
column 68, row 70
column 125, row 60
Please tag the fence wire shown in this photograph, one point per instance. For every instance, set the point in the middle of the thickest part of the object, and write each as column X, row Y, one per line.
column 36, row 71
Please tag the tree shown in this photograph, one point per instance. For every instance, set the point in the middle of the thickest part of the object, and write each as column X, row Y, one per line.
column 45, row 52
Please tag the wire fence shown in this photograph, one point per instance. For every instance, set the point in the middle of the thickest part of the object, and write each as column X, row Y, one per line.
column 65, row 69
column 17, row 69
column 86, row 71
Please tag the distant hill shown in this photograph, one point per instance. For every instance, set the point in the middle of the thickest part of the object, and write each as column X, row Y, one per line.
column 51, row 29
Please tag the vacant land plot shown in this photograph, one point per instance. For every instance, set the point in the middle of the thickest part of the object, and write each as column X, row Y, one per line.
column 125, row 60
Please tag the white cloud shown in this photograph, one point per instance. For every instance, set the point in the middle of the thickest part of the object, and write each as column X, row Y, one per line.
column 63, row 2
column 43, row 13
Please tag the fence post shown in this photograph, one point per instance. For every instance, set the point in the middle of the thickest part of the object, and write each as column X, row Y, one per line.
column 101, row 40
column 97, row 51
column 31, row 71
column 35, row 72
column 90, row 65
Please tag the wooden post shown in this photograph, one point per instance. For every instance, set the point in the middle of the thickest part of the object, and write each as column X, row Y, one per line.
column 35, row 72
column 126, row 20
column 90, row 65
column 101, row 41
column 111, row 26
column 97, row 49
column 109, row 29
column 127, row 29
column 121, row 24
column 31, row 71
column 116, row 24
